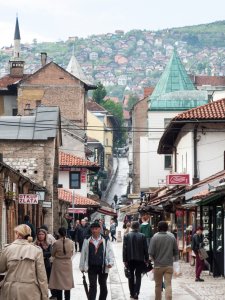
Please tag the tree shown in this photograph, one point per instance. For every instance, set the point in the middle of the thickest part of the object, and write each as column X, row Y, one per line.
column 133, row 98
column 117, row 111
column 100, row 93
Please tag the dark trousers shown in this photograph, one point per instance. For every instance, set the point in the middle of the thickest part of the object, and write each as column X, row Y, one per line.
column 199, row 266
column 80, row 245
column 113, row 236
column 66, row 295
column 136, row 268
column 95, row 272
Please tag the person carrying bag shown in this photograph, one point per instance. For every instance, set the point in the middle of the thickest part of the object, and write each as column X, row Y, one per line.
column 201, row 254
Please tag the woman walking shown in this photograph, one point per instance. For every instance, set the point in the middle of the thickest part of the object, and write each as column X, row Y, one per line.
column 61, row 277
column 23, row 264
column 46, row 249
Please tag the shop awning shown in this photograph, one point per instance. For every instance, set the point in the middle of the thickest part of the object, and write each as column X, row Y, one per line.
column 77, row 210
column 107, row 211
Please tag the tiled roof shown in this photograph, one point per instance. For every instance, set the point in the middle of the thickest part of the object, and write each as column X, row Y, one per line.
column 8, row 80
column 209, row 80
column 69, row 160
column 214, row 110
column 94, row 106
column 67, row 195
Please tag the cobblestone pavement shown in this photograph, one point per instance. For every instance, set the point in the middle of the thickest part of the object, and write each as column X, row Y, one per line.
column 184, row 287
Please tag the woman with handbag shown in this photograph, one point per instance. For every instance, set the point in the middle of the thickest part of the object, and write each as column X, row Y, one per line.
column 196, row 245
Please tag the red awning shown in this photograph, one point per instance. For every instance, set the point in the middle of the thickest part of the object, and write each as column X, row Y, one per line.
column 77, row 210
column 107, row 212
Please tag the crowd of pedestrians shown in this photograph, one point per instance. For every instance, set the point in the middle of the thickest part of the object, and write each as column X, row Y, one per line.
column 37, row 262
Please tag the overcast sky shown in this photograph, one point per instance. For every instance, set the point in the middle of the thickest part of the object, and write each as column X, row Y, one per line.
column 52, row 20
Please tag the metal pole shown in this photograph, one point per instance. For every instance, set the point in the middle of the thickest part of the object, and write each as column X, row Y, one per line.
column 73, row 200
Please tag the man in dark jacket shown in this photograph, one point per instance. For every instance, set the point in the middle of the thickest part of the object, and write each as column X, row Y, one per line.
column 196, row 244
column 135, row 255
column 82, row 233
column 27, row 222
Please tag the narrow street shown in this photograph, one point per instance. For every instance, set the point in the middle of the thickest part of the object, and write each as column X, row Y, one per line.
column 184, row 287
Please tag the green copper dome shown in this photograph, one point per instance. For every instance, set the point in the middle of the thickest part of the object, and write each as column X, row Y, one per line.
column 175, row 90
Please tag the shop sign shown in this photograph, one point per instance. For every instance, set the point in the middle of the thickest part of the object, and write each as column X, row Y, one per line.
column 133, row 196
column 83, row 175
column 178, row 179
column 47, row 204
column 28, row 199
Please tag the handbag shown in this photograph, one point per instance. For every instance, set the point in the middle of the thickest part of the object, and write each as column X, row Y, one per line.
column 147, row 267
column 202, row 254
column 127, row 272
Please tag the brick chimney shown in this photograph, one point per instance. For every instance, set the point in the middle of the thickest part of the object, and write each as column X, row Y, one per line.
column 16, row 68
column 43, row 58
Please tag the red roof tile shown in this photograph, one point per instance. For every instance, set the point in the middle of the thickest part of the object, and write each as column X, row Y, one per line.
column 94, row 106
column 214, row 110
column 69, row 160
column 148, row 91
column 8, row 80
column 67, row 195
column 209, row 80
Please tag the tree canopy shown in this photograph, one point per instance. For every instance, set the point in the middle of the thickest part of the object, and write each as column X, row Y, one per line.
column 100, row 93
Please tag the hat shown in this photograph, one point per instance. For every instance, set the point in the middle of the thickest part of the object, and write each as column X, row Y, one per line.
column 95, row 225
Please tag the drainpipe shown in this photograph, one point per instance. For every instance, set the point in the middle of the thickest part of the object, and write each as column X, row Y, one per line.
column 195, row 178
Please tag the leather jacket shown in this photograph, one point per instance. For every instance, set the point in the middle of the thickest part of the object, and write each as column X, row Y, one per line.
column 135, row 247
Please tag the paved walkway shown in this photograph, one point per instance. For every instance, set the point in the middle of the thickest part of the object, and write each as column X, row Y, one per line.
column 184, row 287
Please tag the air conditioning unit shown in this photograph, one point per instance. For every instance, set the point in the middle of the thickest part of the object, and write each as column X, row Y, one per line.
column 60, row 186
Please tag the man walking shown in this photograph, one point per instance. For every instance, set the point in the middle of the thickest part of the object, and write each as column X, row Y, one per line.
column 82, row 233
column 163, row 250
column 27, row 222
column 96, row 259
column 196, row 244
column 135, row 255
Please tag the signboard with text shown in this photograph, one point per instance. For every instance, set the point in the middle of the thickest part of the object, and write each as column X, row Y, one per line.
column 178, row 179
column 28, row 199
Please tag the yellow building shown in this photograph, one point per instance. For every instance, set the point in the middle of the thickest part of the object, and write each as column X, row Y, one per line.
column 100, row 127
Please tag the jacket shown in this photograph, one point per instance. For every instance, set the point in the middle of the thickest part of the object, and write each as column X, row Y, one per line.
column 163, row 249
column 83, row 232
column 197, row 242
column 135, row 247
column 61, row 277
column 25, row 277
column 108, row 256
column 146, row 229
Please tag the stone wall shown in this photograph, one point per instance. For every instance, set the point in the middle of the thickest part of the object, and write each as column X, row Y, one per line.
column 37, row 160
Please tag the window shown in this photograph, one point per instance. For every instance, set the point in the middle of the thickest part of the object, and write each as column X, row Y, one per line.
column 38, row 103
column 14, row 111
column 74, row 180
column 168, row 161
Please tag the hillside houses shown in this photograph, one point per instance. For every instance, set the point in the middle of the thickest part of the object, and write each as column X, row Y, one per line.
column 98, row 52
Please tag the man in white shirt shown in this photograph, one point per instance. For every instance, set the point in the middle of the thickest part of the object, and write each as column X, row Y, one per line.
column 96, row 259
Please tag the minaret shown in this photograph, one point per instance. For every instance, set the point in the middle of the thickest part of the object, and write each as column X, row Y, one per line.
column 16, row 64
column 17, row 40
